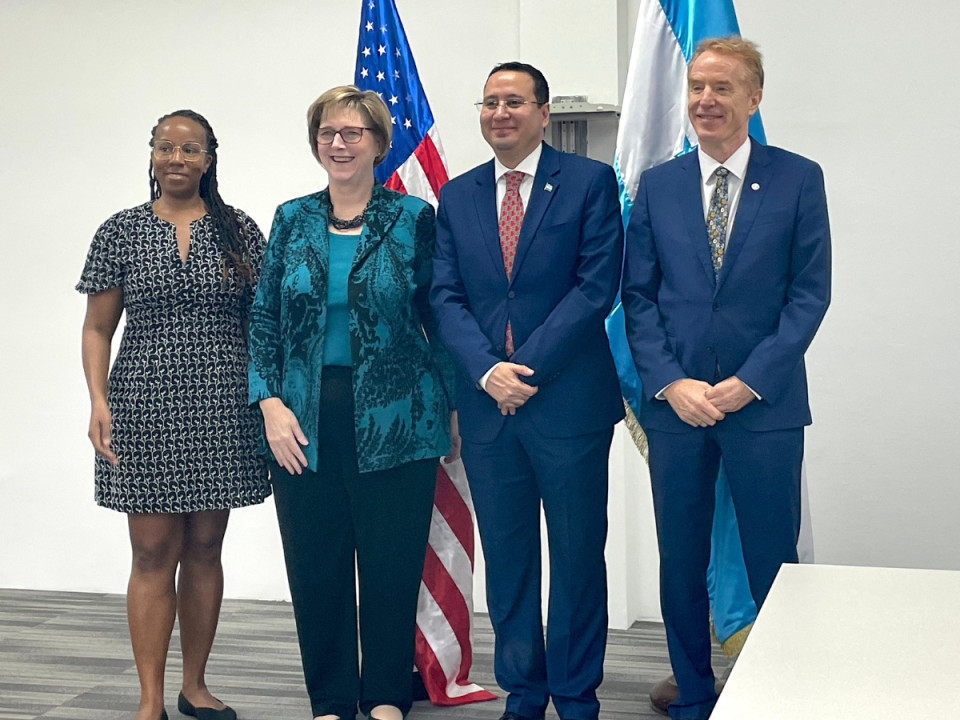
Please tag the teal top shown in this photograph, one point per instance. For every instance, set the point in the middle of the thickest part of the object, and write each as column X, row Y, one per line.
column 336, row 344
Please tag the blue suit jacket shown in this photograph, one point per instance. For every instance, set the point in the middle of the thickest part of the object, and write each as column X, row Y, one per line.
column 401, row 404
column 756, row 320
column 565, row 278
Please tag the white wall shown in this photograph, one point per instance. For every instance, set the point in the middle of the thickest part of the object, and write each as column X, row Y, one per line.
column 862, row 87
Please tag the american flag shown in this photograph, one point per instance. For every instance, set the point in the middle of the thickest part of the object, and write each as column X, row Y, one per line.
column 416, row 165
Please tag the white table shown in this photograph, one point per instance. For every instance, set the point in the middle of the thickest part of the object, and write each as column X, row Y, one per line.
column 851, row 643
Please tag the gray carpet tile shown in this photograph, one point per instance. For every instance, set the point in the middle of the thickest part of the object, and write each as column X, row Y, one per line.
column 67, row 656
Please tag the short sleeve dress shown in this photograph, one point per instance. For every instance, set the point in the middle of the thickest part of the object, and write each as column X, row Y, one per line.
column 182, row 429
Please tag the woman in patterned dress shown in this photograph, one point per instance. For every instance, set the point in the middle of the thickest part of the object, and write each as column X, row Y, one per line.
column 354, row 393
column 176, row 440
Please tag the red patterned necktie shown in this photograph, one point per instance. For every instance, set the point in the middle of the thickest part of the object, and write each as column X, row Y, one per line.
column 511, row 220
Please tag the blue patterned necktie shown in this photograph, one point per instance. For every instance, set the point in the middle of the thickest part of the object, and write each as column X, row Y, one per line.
column 717, row 219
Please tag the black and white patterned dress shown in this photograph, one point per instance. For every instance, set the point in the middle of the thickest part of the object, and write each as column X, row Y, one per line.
column 183, row 433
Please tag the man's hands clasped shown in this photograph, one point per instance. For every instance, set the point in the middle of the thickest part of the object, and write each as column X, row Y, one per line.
column 701, row 404
column 505, row 386
column 730, row 395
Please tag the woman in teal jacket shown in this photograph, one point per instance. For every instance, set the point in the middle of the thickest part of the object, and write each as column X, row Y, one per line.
column 354, row 391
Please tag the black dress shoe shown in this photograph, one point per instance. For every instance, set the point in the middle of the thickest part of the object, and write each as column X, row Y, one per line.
column 516, row 716
column 204, row 713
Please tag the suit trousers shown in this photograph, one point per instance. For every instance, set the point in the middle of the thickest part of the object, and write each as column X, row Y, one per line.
column 332, row 519
column 763, row 470
column 509, row 478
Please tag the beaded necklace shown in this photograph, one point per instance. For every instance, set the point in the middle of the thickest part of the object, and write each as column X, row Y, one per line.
column 339, row 224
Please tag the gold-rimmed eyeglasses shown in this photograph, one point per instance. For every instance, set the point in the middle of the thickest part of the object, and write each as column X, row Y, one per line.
column 490, row 105
column 189, row 151
column 350, row 135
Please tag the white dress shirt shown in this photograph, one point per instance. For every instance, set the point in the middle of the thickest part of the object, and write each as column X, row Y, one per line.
column 736, row 164
column 528, row 166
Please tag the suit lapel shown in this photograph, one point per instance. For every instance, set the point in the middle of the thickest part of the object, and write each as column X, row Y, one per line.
column 486, row 203
column 548, row 172
column 690, row 198
column 379, row 217
column 758, row 173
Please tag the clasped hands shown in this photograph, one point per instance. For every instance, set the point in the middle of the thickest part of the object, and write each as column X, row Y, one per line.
column 505, row 386
column 701, row 404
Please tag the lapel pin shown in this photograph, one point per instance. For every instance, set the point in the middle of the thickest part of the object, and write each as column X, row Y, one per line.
column 755, row 186
column 548, row 187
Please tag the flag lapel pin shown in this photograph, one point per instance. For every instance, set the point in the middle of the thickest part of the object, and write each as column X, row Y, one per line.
column 548, row 187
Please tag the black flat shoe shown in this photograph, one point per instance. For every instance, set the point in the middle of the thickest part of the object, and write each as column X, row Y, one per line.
column 203, row 713
column 163, row 715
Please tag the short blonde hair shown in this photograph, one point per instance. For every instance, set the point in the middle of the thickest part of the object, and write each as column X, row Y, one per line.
column 350, row 97
column 736, row 47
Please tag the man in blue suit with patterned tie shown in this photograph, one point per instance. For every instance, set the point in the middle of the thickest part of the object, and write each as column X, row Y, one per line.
column 527, row 266
column 726, row 280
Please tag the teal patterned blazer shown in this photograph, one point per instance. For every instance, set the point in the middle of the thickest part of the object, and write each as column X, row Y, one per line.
column 402, row 376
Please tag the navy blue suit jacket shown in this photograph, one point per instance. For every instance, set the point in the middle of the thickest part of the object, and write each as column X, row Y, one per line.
column 565, row 278
column 757, row 318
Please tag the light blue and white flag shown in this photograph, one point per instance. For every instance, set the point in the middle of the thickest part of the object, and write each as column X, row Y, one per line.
column 654, row 128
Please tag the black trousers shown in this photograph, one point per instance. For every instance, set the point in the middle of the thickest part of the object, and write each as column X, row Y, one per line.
column 329, row 520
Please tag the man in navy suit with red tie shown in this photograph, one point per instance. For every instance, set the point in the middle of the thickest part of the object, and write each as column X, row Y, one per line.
column 527, row 266
column 726, row 280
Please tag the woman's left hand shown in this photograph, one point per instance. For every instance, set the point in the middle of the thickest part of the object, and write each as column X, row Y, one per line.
column 454, row 439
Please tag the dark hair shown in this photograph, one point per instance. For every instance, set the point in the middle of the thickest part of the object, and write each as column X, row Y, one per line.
column 541, row 91
column 229, row 234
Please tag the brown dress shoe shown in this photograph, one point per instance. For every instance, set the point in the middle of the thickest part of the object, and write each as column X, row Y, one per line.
column 666, row 691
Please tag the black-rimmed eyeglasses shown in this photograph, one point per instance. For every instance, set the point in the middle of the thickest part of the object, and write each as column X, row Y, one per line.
column 350, row 135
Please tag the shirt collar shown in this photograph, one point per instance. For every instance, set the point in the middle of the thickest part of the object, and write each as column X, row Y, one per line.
column 528, row 165
column 736, row 163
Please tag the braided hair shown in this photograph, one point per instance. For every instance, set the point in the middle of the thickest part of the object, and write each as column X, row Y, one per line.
column 229, row 234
